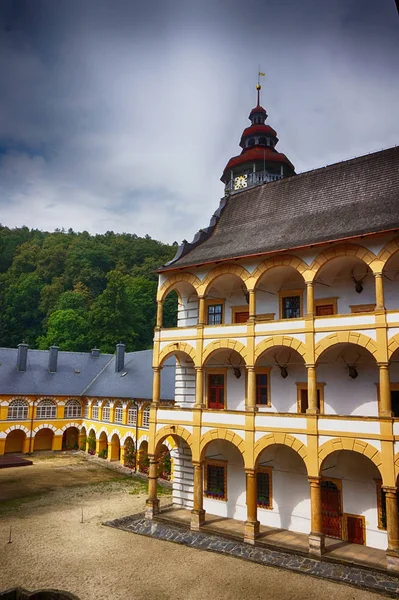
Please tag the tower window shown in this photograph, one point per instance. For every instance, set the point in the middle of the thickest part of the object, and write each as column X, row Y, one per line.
column 251, row 142
column 263, row 141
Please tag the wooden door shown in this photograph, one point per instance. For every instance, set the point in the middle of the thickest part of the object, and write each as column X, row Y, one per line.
column 355, row 529
column 216, row 392
column 241, row 317
column 324, row 310
column 331, row 512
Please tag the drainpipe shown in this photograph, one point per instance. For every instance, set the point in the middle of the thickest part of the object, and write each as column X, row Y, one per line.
column 31, row 428
column 136, row 434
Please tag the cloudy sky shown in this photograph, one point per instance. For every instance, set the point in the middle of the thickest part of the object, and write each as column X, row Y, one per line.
column 121, row 114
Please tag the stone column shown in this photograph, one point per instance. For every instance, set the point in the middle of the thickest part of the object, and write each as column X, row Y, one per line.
column 2, row 445
column 201, row 310
column 251, row 528
column 122, row 455
column 198, row 513
column 97, row 446
column 199, row 387
column 385, row 391
column 159, row 314
column 316, row 536
column 252, row 305
column 81, row 438
column 156, row 388
column 251, row 391
column 392, row 528
column 310, row 299
column 109, row 451
column 379, row 292
column 57, row 442
column 312, row 391
column 152, row 502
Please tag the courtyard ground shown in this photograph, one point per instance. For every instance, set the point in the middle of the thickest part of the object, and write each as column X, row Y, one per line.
column 52, row 548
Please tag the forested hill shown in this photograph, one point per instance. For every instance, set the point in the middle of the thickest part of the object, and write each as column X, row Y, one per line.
column 80, row 291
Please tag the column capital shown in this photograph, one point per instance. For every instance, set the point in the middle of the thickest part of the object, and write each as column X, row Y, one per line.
column 250, row 472
column 197, row 464
column 315, row 481
column 157, row 369
column 310, row 365
column 383, row 365
column 199, row 368
column 390, row 490
column 250, row 367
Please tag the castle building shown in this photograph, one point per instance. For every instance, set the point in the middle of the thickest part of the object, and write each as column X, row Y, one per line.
column 286, row 411
column 100, row 403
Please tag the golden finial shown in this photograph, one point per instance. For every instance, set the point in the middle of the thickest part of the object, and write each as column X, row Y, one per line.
column 258, row 85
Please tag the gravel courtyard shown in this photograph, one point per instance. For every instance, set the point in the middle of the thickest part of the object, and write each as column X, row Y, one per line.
column 51, row 547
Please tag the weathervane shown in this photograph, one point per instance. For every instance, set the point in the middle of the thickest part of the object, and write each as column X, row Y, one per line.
column 258, row 85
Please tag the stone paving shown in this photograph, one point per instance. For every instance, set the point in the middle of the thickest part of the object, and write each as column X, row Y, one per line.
column 365, row 578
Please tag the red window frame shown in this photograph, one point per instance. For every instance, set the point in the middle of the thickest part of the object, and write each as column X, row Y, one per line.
column 260, row 387
column 216, row 391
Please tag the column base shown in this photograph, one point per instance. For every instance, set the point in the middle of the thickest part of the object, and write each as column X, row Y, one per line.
column 312, row 411
column 251, row 531
column 393, row 561
column 199, row 406
column 151, row 508
column 197, row 519
column 316, row 544
column 386, row 413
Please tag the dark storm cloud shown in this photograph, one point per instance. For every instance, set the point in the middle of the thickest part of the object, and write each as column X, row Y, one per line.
column 122, row 115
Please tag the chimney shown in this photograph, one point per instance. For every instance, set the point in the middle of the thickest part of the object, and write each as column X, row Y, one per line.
column 52, row 359
column 22, row 356
column 120, row 357
column 95, row 352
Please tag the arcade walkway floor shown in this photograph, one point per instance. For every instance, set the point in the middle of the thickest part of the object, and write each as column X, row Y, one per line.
column 52, row 548
column 281, row 538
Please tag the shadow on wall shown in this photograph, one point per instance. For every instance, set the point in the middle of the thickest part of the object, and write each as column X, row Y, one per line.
column 21, row 594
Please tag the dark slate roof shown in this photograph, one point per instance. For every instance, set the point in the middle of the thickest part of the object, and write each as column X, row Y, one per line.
column 342, row 200
column 79, row 373
column 137, row 383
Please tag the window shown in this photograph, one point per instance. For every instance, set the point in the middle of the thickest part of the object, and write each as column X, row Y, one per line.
column 216, row 385
column 132, row 415
column 106, row 414
column 72, row 409
column 325, row 306
column 381, row 506
column 395, row 402
column 46, row 409
column 86, row 411
column 18, row 409
column 262, row 388
column 262, row 141
column 291, row 304
column 118, row 413
column 215, row 314
column 216, row 480
column 264, row 496
column 146, row 416
column 302, row 397
column 94, row 410
column 251, row 142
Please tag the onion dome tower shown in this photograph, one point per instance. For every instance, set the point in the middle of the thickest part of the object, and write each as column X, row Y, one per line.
column 259, row 161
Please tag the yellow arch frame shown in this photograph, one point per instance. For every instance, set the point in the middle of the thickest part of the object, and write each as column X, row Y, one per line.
column 284, row 439
column 287, row 260
column 224, row 345
column 388, row 251
column 174, row 431
column 345, row 250
column 228, row 269
column 280, row 340
column 222, row 434
column 354, row 445
column 349, row 337
column 177, row 347
column 168, row 285
column 393, row 345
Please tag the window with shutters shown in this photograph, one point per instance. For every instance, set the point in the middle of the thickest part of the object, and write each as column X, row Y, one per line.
column 216, row 392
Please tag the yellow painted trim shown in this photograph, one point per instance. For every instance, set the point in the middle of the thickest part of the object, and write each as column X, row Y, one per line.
column 284, row 439
column 349, row 337
column 221, row 434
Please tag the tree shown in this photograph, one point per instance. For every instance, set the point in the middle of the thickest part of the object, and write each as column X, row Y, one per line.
column 68, row 329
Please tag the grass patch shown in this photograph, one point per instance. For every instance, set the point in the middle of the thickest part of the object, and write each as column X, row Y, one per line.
column 141, row 487
column 8, row 506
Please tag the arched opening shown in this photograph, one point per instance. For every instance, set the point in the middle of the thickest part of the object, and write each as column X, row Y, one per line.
column 129, row 456
column 103, row 445
column 164, row 464
column 351, row 499
column 82, row 439
column 283, row 495
column 91, row 442
column 224, row 480
column 350, row 376
column 224, row 380
column 70, row 439
column 279, row 294
column 73, row 409
column 43, row 439
column 178, row 372
column 180, row 306
column 15, row 441
column 46, row 409
column 226, row 301
column 143, row 462
column 391, row 279
column 118, row 415
column 281, row 381
column 344, row 285
column 115, row 448
column 18, row 410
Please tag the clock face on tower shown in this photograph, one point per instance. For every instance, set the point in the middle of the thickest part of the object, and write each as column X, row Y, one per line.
column 240, row 182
